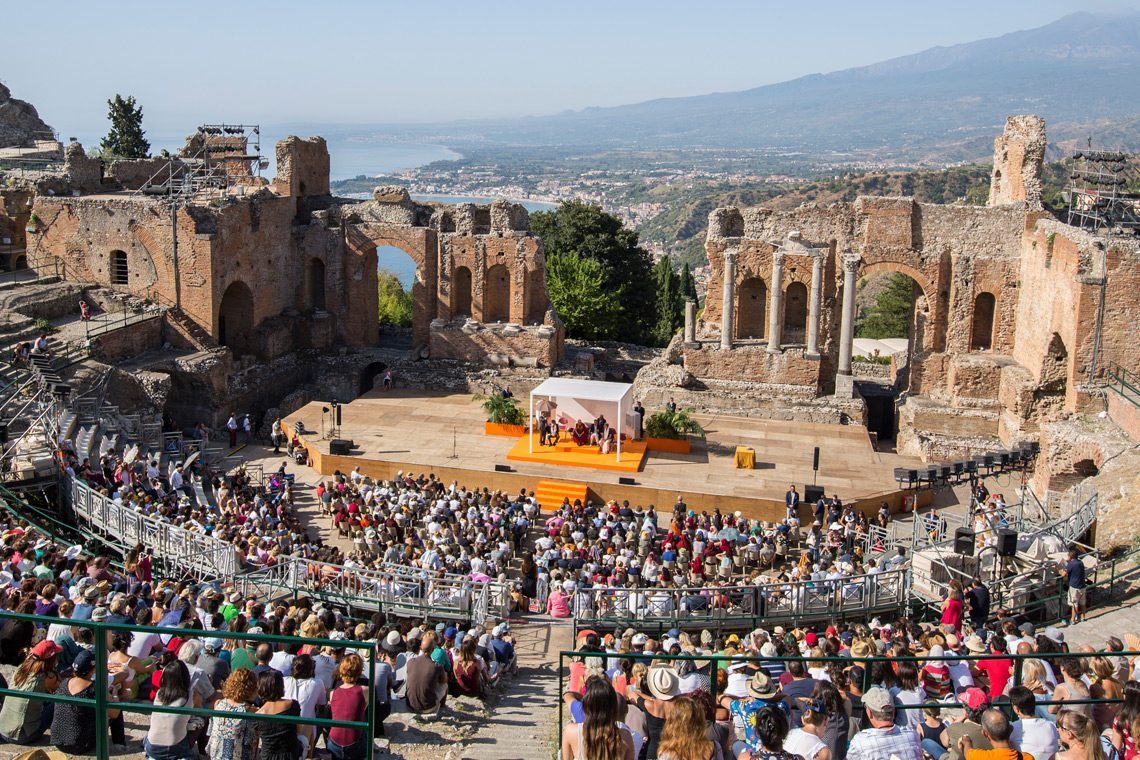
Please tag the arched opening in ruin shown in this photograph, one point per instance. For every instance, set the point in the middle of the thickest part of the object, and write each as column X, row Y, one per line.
column 117, row 268
column 235, row 319
column 1086, row 468
column 368, row 377
column 1053, row 386
column 751, row 308
column 497, row 294
column 890, row 317
column 982, row 327
column 317, row 284
column 795, row 313
column 461, row 292
column 397, row 278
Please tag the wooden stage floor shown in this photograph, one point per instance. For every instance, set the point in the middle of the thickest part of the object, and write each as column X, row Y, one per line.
column 419, row 432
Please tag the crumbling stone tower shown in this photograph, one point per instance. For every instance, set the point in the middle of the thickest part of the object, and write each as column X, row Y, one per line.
column 1018, row 156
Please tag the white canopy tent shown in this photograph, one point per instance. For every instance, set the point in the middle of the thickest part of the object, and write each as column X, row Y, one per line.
column 585, row 400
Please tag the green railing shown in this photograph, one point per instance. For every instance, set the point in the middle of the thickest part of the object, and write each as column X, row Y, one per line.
column 1125, row 382
column 714, row 662
column 102, row 702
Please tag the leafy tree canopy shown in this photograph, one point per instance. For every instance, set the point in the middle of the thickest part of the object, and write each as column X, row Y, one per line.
column 577, row 290
column 395, row 303
column 890, row 315
column 126, row 138
column 588, row 232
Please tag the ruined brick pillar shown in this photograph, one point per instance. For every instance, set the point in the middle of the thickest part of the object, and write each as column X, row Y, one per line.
column 729, row 302
column 847, row 323
column 690, row 321
column 776, row 303
column 814, row 304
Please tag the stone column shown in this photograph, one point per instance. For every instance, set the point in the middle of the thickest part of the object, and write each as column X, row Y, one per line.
column 728, row 305
column 776, row 303
column 815, row 297
column 847, row 325
column 690, row 321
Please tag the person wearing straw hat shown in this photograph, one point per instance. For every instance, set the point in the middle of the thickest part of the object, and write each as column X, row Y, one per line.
column 760, row 691
column 663, row 685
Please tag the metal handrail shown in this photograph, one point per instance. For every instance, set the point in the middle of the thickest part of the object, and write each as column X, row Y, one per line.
column 872, row 593
column 397, row 588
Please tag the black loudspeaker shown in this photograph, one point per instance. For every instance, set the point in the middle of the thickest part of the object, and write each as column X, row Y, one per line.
column 1006, row 542
column 337, row 410
column 627, row 481
column 340, row 446
column 503, row 468
column 812, row 494
column 964, row 541
column 815, row 459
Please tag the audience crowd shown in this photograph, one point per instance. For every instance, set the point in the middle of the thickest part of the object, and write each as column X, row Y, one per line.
column 859, row 691
column 191, row 665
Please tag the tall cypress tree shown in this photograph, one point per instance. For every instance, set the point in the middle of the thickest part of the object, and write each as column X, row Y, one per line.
column 126, row 138
column 688, row 284
column 670, row 302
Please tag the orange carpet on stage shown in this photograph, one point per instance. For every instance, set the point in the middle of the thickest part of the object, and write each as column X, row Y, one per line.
column 571, row 455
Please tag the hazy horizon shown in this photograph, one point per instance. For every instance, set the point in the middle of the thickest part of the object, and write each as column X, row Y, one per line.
column 366, row 64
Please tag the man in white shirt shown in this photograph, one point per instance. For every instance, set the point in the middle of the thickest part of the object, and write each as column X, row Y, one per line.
column 1032, row 735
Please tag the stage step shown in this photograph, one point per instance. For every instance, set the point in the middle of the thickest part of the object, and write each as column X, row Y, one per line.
column 550, row 493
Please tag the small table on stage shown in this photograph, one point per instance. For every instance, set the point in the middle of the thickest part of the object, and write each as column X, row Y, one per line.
column 745, row 458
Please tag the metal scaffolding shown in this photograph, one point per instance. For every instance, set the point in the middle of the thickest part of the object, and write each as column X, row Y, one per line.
column 216, row 157
column 1100, row 192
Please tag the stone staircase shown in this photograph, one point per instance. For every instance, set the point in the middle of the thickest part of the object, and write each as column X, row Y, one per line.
column 190, row 330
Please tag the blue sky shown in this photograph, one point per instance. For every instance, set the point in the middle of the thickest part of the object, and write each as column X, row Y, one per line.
column 388, row 62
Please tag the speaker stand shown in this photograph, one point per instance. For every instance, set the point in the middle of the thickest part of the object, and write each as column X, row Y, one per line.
column 454, row 446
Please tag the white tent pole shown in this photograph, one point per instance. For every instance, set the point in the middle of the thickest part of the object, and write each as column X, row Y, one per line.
column 620, row 415
column 530, row 430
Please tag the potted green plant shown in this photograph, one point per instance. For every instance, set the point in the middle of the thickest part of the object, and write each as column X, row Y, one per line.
column 33, row 225
column 669, row 431
column 504, row 417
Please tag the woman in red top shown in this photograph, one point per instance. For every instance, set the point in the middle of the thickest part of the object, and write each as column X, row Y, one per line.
column 952, row 609
column 997, row 671
column 348, row 702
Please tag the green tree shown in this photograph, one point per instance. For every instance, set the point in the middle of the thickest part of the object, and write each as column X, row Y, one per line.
column 587, row 231
column 577, row 289
column 670, row 309
column 126, row 138
column 890, row 315
column 395, row 303
column 688, row 284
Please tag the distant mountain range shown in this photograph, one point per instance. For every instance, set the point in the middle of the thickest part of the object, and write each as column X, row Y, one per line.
column 1081, row 73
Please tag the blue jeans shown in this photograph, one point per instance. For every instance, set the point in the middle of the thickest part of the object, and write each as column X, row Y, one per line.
column 933, row 748
column 183, row 750
column 354, row 751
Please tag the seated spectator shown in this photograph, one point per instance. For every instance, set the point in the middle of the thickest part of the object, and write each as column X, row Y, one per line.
column 882, row 738
column 997, row 730
column 25, row 721
column 1031, row 734
column 234, row 738
column 348, row 702
column 426, row 680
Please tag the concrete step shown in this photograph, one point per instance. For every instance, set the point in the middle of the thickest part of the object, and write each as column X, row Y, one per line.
column 550, row 493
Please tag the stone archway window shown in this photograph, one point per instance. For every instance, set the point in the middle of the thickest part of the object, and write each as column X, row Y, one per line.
column 461, row 293
column 497, row 295
column 795, row 312
column 982, row 329
column 751, row 308
column 235, row 319
column 117, row 268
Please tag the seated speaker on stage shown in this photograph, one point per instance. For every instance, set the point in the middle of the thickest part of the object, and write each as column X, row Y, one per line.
column 581, row 434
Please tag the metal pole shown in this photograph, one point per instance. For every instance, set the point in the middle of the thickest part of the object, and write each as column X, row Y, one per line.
column 174, row 253
column 369, row 738
column 101, row 720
